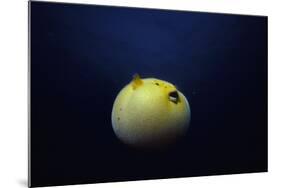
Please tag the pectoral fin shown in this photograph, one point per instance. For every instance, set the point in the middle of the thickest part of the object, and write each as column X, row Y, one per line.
column 137, row 81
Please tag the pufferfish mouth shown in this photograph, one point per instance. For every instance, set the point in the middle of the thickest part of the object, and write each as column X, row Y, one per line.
column 174, row 97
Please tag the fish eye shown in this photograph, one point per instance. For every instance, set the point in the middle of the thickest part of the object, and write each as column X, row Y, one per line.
column 174, row 97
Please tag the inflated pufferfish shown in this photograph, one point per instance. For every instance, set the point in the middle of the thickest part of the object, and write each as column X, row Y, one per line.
column 150, row 113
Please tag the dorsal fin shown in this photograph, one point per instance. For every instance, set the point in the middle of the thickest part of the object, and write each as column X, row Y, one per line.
column 137, row 81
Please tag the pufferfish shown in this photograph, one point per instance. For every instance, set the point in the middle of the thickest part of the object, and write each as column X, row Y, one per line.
column 150, row 113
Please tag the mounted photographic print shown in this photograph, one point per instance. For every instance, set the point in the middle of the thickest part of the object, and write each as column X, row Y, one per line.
column 121, row 94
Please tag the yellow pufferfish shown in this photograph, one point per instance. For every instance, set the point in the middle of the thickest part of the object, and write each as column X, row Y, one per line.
column 150, row 113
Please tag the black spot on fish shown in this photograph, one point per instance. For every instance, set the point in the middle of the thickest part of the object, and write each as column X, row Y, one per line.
column 157, row 83
column 118, row 118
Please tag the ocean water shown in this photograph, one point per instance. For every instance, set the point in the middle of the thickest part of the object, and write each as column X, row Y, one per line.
column 82, row 56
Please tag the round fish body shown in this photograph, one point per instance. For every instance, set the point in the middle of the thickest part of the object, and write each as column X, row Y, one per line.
column 150, row 113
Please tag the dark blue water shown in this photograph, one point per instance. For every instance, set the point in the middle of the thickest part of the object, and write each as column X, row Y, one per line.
column 81, row 56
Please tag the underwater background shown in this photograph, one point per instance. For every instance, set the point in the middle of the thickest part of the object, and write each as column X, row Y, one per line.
column 83, row 55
